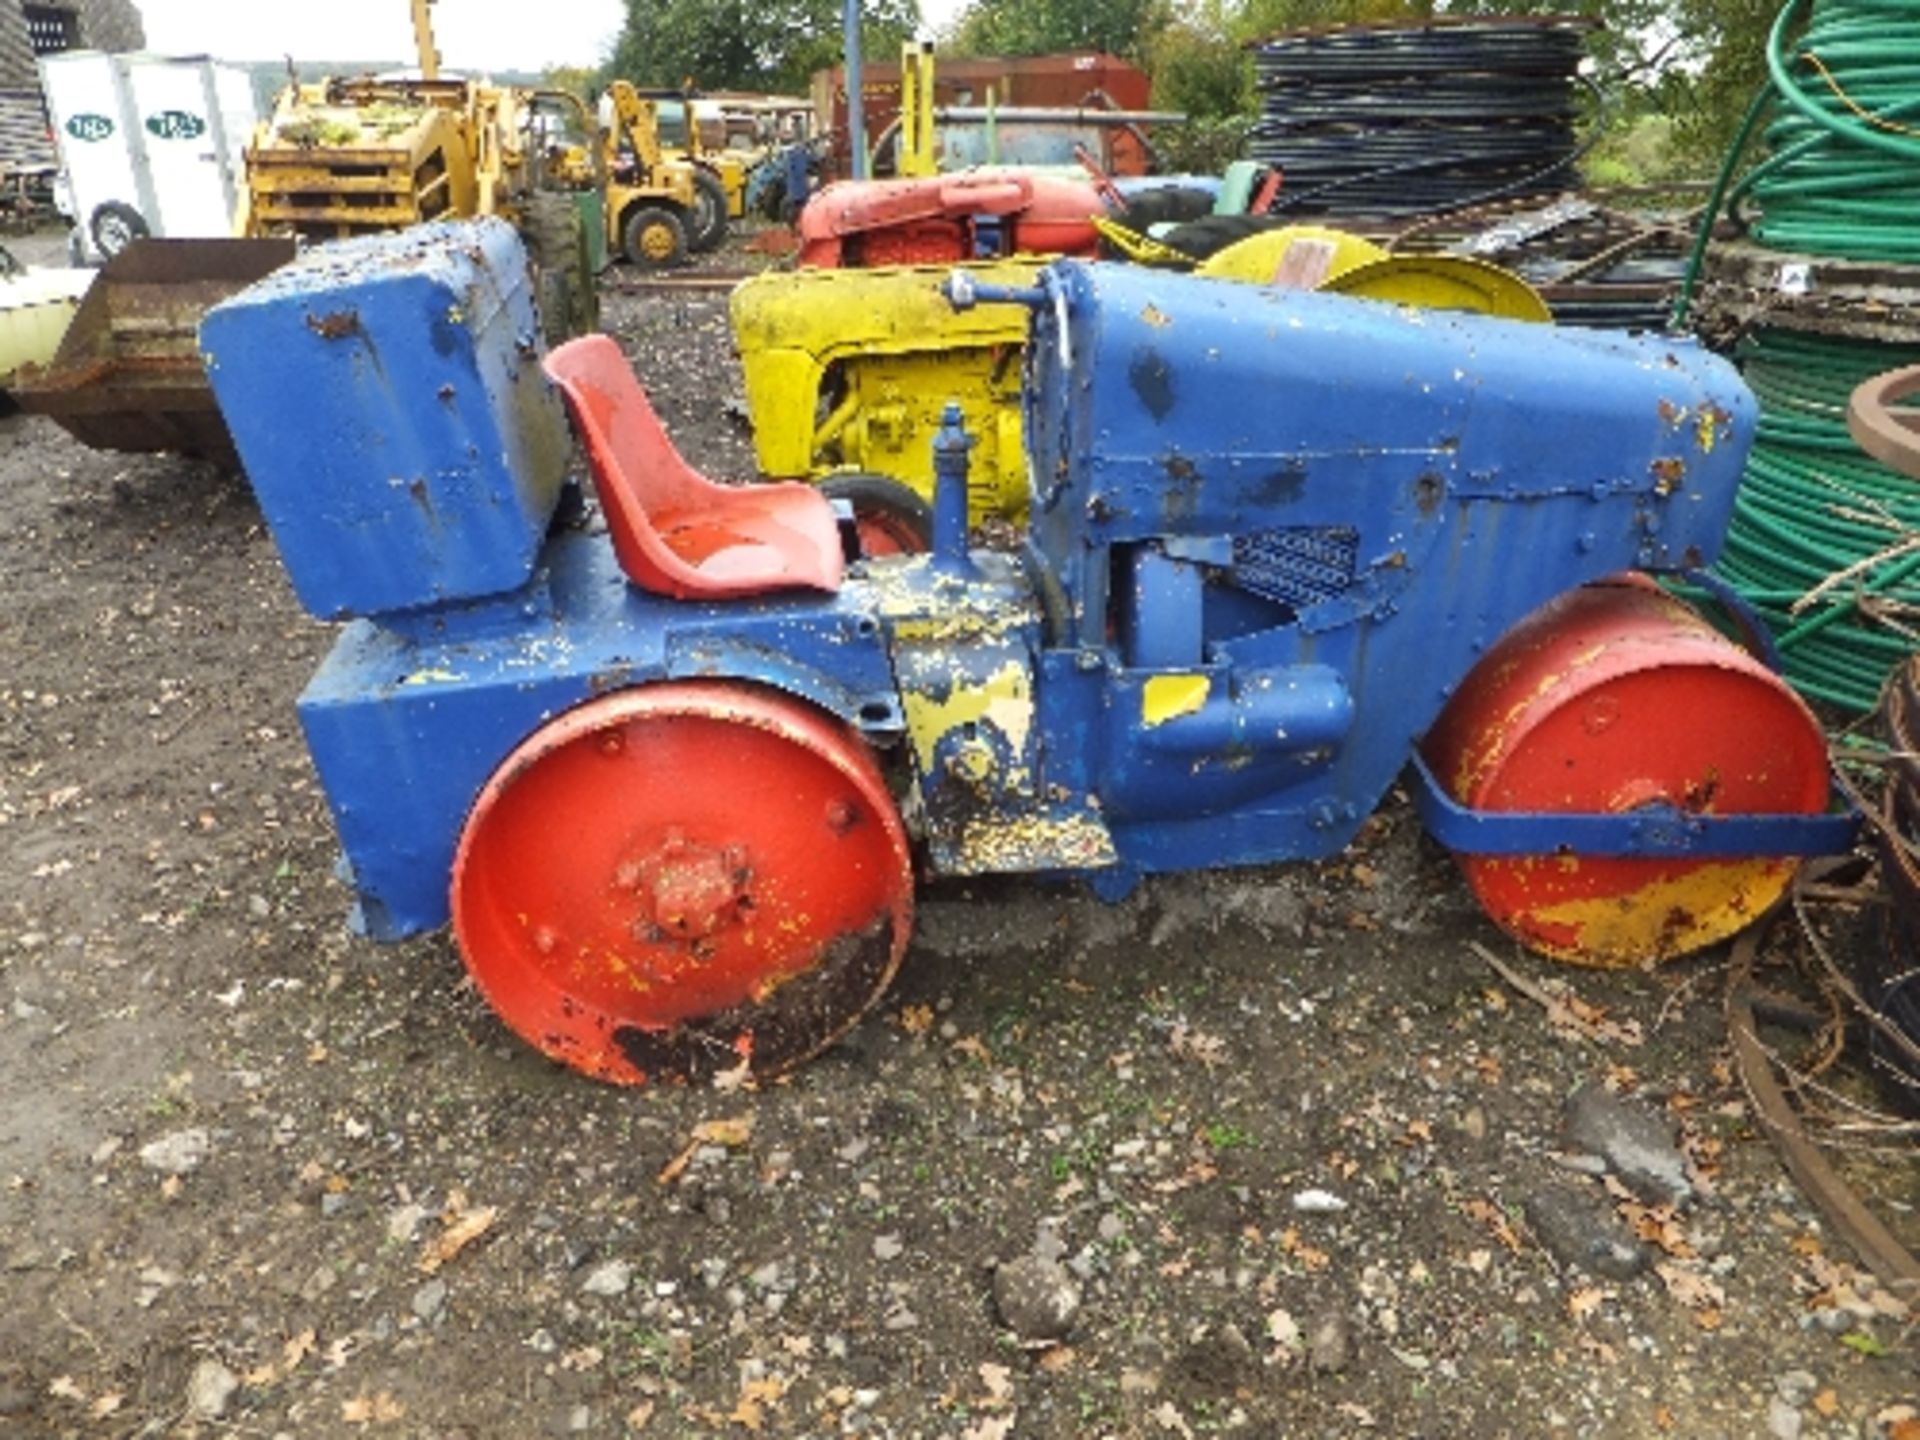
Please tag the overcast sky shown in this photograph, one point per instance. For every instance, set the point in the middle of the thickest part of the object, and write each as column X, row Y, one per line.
column 472, row 34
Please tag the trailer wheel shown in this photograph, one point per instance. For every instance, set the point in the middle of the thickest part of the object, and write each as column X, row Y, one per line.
column 654, row 238
column 891, row 517
column 115, row 226
column 1613, row 698
column 684, row 879
column 709, row 222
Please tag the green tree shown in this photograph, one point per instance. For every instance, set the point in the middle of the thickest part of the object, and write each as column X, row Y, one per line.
column 1126, row 28
column 766, row 45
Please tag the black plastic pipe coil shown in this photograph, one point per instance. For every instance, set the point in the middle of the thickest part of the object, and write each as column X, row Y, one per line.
column 1401, row 120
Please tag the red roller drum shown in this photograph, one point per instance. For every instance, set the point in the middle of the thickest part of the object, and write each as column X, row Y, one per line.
column 678, row 880
column 1611, row 698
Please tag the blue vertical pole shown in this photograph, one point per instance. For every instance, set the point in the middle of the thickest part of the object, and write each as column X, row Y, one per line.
column 856, row 92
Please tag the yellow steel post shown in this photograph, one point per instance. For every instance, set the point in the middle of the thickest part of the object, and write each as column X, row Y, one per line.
column 423, row 39
column 916, row 110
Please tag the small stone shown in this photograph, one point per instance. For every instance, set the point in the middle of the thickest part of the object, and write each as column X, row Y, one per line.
column 179, row 1153
column 1581, row 1229
column 901, row 1319
column 404, row 1223
column 1635, row 1140
column 1783, row 1419
column 1221, row 1360
column 580, row 1419
column 887, row 1247
column 1318, row 1202
column 1330, row 1343
column 323, row 1279
column 1111, row 1227
column 766, row 1277
column 1473, row 1123
column 1796, row 1387
column 609, row 1279
column 208, row 1391
column 1037, row 1299
column 429, row 1300
column 332, row 1203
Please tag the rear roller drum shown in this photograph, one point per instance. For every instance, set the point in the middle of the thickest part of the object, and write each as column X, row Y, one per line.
column 684, row 879
column 1613, row 698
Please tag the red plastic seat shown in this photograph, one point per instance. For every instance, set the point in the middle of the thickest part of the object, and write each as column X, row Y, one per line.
column 674, row 531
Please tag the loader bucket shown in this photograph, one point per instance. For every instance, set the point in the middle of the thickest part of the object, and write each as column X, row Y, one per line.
column 128, row 374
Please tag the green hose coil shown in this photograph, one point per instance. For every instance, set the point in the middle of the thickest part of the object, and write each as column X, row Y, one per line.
column 1825, row 541
column 1842, row 174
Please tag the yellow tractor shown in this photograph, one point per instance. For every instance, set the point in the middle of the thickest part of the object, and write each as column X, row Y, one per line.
column 660, row 205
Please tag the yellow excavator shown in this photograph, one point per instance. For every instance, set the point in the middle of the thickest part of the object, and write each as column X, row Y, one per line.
column 348, row 157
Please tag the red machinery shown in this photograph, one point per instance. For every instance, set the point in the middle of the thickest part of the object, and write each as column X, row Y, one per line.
column 948, row 218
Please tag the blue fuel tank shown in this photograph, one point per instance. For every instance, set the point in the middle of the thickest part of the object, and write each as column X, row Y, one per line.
column 394, row 476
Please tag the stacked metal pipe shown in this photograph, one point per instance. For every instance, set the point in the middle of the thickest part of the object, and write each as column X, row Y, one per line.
column 1385, row 120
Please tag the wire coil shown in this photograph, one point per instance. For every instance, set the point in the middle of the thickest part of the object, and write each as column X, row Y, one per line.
column 1374, row 120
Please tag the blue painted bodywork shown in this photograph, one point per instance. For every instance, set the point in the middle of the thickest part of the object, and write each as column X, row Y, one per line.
column 385, row 396
column 1302, row 517
column 1362, row 491
column 408, row 717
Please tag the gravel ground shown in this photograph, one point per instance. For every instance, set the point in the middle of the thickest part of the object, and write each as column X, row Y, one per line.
column 1272, row 1153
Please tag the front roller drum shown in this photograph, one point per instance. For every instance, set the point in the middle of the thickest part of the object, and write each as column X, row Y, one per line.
column 1614, row 698
column 684, row 879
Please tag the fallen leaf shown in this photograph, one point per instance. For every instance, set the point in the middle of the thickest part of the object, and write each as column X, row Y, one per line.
column 1291, row 1244
column 639, row 1415
column 973, row 1047
column 1827, row 1403
column 1056, row 1361
column 733, row 1133
column 1188, row 1043
column 171, row 1187
column 297, row 1349
column 999, row 1382
column 106, row 1405
column 1587, row 1301
column 1662, row 1418
column 1491, row 1216
column 989, row 1427
column 1169, row 1418
column 461, row 1233
column 377, row 1409
column 1862, row 1343
column 1657, row 1225
column 64, row 1388
column 916, row 1019
column 1693, row 1288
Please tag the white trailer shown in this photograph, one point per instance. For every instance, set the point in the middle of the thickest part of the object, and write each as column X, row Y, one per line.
column 149, row 145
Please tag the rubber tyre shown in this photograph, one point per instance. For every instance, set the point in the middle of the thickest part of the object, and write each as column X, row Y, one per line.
column 1213, row 233
column 556, row 240
column 115, row 226
column 1166, row 205
column 654, row 238
column 707, row 225
column 892, row 517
